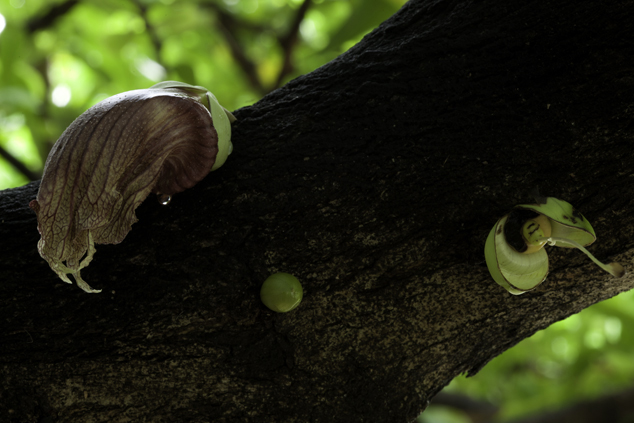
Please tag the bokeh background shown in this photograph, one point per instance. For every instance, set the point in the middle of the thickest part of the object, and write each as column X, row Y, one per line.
column 58, row 58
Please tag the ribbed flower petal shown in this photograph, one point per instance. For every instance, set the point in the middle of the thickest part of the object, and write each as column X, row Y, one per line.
column 108, row 161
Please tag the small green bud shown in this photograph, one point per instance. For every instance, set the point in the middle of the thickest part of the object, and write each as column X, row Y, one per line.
column 281, row 292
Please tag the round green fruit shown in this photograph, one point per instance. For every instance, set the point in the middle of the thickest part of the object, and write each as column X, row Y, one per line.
column 281, row 292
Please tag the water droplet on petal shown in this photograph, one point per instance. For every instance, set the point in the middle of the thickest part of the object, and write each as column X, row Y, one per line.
column 164, row 199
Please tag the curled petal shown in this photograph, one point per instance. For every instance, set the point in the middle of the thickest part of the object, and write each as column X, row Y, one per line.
column 516, row 272
column 106, row 163
column 513, row 250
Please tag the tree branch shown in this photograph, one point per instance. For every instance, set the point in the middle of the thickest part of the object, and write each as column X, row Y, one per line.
column 18, row 165
column 51, row 16
column 288, row 43
column 227, row 25
column 613, row 408
column 375, row 180
column 151, row 31
column 478, row 411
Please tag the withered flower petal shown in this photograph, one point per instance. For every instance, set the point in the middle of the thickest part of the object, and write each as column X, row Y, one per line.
column 163, row 139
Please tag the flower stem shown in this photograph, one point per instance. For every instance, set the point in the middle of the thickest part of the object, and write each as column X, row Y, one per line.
column 614, row 268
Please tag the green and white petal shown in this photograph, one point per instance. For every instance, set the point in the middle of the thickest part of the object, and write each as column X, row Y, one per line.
column 565, row 220
column 516, row 272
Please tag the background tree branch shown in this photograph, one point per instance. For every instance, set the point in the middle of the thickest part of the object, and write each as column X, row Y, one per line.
column 477, row 411
column 157, row 43
column 615, row 407
column 288, row 41
column 375, row 180
column 50, row 17
column 227, row 26
column 18, row 165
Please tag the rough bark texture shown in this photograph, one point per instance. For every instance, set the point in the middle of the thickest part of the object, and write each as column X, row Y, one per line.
column 375, row 180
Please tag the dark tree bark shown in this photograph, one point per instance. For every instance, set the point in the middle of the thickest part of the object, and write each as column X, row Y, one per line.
column 375, row 180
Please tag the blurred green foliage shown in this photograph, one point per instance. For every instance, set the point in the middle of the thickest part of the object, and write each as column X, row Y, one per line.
column 58, row 58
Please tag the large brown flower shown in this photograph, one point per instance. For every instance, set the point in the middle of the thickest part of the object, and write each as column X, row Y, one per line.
column 163, row 139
